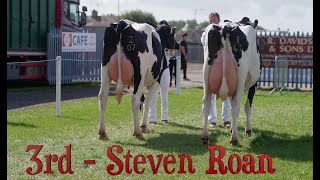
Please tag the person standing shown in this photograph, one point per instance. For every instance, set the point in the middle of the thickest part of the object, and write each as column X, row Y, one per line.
column 214, row 18
column 172, row 68
column 184, row 55
column 163, row 89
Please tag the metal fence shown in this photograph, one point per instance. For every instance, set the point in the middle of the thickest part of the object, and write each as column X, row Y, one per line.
column 298, row 77
column 74, row 70
column 76, row 66
column 195, row 52
column 85, row 66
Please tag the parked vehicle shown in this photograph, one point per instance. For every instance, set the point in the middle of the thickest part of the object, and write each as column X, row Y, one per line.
column 28, row 24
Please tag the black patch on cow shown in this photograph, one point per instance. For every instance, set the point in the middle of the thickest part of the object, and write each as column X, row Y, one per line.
column 111, row 39
column 164, row 66
column 251, row 93
column 133, row 42
column 136, row 74
column 214, row 43
column 255, row 23
column 157, row 51
column 166, row 34
column 238, row 40
column 246, row 21
column 121, row 25
column 142, row 101
column 164, row 22
column 114, row 25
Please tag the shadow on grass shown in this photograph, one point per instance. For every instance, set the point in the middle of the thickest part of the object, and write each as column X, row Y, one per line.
column 282, row 145
column 21, row 124
column 180, row 143
column 174, row 143
column 277, row 145
column 183, row 126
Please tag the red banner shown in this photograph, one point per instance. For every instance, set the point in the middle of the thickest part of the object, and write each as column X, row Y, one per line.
column 295, row 48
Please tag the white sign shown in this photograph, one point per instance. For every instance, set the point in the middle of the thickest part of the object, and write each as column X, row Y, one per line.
column 78, row 42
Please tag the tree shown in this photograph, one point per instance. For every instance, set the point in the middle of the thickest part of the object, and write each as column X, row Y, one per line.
column 191, row 24
column 139, row 17
column 203, row 25
column 178, row 24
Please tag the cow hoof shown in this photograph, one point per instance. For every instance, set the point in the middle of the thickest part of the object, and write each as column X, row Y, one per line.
column 103, row 135
column 249, row 132
column 138, row 136
column 144, row 129
column 205, row 140
column 235, row 142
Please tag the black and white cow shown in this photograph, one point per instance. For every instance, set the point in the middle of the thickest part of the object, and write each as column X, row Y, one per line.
column 133, row 55
column 232, row 66
column 165, row 78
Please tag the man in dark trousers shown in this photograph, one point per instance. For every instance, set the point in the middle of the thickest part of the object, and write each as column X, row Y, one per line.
column 172, row 66
column 184, row 51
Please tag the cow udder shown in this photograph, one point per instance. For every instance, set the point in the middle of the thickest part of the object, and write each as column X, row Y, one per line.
column 215, row 75
column 126, row 69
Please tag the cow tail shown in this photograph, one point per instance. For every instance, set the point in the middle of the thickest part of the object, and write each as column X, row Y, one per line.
column 119, row 88
column 223, row 92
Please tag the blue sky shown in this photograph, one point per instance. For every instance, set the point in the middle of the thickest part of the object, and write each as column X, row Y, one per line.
column 295, row 15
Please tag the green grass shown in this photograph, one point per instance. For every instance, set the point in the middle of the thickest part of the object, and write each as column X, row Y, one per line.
column 282, row 129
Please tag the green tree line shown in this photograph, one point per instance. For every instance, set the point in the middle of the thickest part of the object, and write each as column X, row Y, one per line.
column 147, row 17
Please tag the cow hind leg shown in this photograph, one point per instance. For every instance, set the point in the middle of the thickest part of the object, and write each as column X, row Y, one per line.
column 137, row 93
column 103, row 99
column 205, row 111
column 152, row 90
column 248, row 107
column 235, row 104
column 135, row 110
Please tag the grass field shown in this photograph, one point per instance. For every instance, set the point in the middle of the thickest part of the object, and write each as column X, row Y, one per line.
column 282, row 129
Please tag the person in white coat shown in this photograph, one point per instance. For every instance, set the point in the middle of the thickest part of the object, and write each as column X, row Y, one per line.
column 214, row 18
column 164, row 89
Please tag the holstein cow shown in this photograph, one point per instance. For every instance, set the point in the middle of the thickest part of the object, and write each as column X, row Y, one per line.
column 231, row 67
column 165, row 78
column 132, row 56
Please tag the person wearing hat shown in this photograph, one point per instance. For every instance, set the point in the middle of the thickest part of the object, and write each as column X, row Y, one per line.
column 184, row 55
